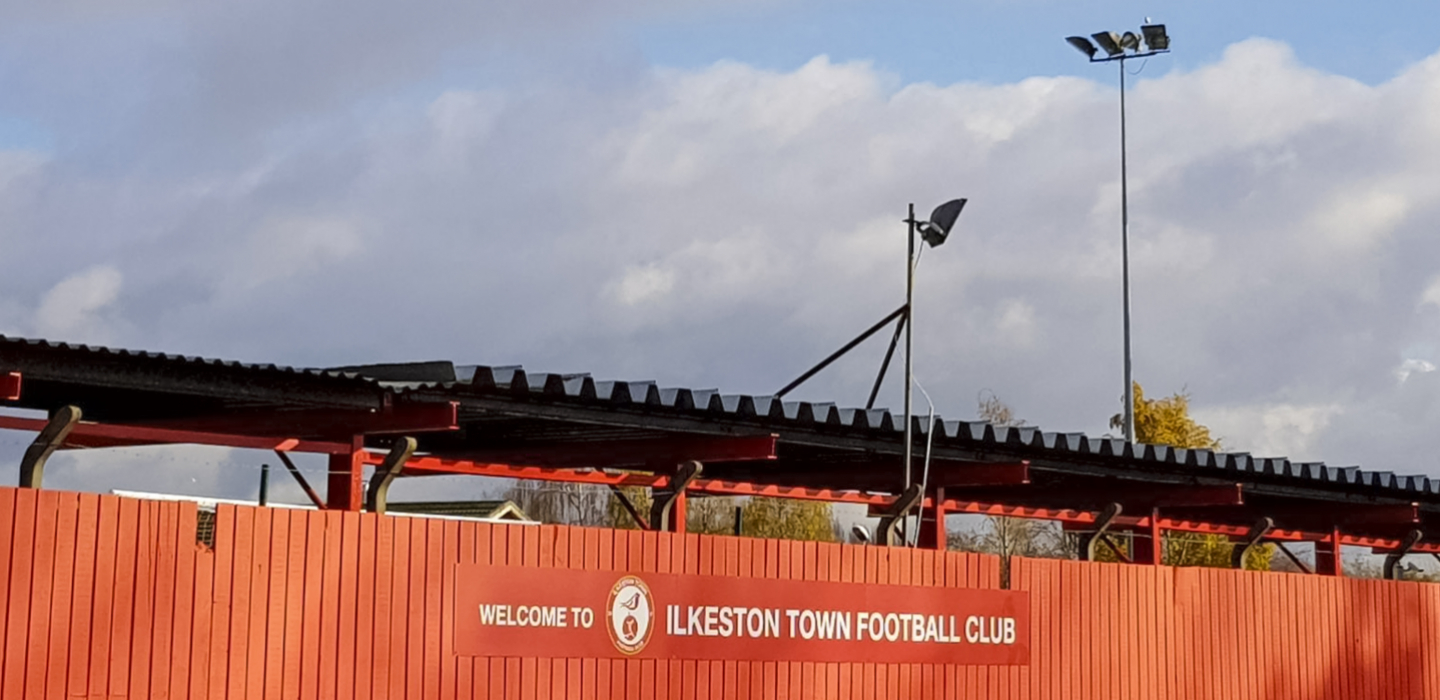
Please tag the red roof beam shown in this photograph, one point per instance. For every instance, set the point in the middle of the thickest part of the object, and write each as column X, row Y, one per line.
column 655, row 453
column 1135, row 498
column 10, row 386
column 402, row 418
column 95, row 435
column 967, row 474
column 433, row 466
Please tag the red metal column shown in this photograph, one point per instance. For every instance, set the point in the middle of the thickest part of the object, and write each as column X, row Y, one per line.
column 1327, row 555
column 9, row 386
column 932, row 522
column 346, row 490
column 677, row 514
column 1148, row 550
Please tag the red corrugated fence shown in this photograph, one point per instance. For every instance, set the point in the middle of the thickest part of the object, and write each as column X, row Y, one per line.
column 106, row 597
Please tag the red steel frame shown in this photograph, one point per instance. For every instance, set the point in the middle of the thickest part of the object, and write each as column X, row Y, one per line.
column 348, row 459
column 10, row 386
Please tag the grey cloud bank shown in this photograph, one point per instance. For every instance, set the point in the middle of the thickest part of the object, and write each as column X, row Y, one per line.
column 259, row 196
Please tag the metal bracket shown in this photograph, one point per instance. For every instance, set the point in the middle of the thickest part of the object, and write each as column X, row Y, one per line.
column 630, row 508
column 1392, row 559
column 51, row 437
column 1103, row 521
column 660, row 508
column 1293, row 559
column 304, row 485
column 897, row 313
column 890, row 522
column 386, row 472
column 1257, row 532
column 889, row 353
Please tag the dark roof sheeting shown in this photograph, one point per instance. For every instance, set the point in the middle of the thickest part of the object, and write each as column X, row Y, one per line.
column 444, row 380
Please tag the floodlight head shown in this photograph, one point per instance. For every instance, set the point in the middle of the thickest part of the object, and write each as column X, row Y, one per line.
column 1110, row 41
column 937, row 229
column 1155, row 37
column 861, row 534
column 1130, row 41
column 1082, row 45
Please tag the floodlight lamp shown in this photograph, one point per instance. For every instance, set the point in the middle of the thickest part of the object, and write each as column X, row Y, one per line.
column 861, row 534
column 1155, row 37
column 1082, row 45
column 937, row 229
column 1110, row 41
column 1130, row 41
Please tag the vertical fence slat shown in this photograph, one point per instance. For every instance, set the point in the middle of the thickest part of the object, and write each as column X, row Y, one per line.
column 450, row 553
column 222, row 582
column 183, row 620
column 259, row 603
column 365, row 579
column 61, row 596
column 397, row 649
column 240, row 590
column 202, row 631
column 75, row 673
column 276, row 578
column 293, row 632
column 97, row 671
column 379, row 673
column 348, row 555
column 38, row 598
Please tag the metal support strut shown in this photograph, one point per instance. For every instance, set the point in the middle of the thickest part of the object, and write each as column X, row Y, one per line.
column 51, row 437
column 386, row 472
column 1103, row 521
column 897, row 313
column 895, row 514
column 1252, row 539
column 1392, row 560
column 630, row 508
column 673, row 503
column 300, row 478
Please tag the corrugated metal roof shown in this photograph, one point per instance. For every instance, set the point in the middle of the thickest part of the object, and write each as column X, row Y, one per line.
column 184, row 360
column 441, row 380
column 515, row 382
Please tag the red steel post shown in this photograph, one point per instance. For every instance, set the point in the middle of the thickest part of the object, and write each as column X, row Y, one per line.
column 932, row 521
column 1327, row 555
column 1148, row 550
column 345, row 486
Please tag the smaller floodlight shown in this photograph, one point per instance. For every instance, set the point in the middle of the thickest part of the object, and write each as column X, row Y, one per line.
column 1130, row 41
column 861, row 534
column 1110, row 41
column 937, row 229
column 1155, row 37
column 1082, row 45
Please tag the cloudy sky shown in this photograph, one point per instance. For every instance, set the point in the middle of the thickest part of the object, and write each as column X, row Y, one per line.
column 709, row 194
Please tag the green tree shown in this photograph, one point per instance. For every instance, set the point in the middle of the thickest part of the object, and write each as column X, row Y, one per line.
column 1167, row 421
column 711, row 515
column 786, row 518
column 618, row 517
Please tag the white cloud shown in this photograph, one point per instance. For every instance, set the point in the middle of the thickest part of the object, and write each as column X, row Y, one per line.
column 1413, row 366
column 1431, row 295
column 642, row 284
column 1015, row 322
column 76, row 307
column 1271, row 430
column 730, row 225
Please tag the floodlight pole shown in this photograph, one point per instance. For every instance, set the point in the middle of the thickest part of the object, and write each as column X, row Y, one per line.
column 909, row 363
column 1125, row 236
column 1125, row 261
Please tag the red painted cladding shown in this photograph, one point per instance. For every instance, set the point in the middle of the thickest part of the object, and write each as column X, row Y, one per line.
column 108, row 597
